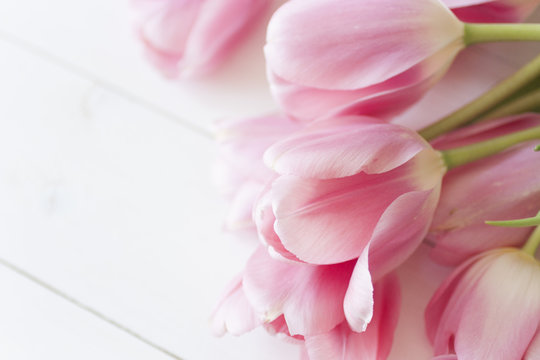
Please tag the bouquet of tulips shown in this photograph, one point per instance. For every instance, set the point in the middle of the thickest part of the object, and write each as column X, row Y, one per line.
column 338, row 195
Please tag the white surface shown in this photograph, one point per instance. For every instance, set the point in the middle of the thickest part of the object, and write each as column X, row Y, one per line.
column 39, row 325
column 105, row 198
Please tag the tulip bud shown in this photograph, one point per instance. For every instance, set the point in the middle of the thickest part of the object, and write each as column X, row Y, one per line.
column 369, row 57
column 193, row 37
column 489, row 308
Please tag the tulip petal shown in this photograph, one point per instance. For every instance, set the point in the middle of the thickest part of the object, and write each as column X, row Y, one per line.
column 398, row 234
column 219, row 28
column 358, row 303
column 461, row 3
column 533, row 352
column 356, row 44
column 383, row 100
column 310, row 297
column 264, row 219
column 373, row 344
column 446, row 357
column 340, row 151
column 233, row 313
column 240, row 211
column 329, row 221
column 494, row 11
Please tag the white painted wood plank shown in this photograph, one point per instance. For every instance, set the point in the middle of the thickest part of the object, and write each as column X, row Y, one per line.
column 115, row 206
column 37, row 324
column 96, row 37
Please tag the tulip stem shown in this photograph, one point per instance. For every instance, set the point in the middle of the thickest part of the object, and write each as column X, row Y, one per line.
column 529, row 102
column 533, row 242
column 486, row 102
column 479, row 33
column 466, row 154
column 526, row 222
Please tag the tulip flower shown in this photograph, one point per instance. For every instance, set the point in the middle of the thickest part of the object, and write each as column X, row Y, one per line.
column 489, row 308
column 500, row 187
column 192, row 37
column 489, row 11
column 240, row 171
column 370, row 57
column 347, row 183
column 354, row 195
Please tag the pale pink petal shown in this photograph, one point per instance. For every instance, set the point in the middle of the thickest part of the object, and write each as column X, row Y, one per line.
column 309, row 296
column 484, row 191
column 241, row 208
column 446, row 357
column 398, row 234
column 304, row 354
column 233, row 313
column 264, row 219
column 358, row 303
column 340, row 343
column 387, row 303
column 533, row 352
column 279, row 328
column 163, row 27
column 472, row 311
column 373, row 344
column 328, row 221
column 339, row 151
column 461, row 3
column 239, row 170
column 219, row 28
column 242, row 143
column 383, row 100
column 492, row 11
column 356, row 44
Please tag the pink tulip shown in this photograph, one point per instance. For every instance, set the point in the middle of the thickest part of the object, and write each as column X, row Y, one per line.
column 489, row 11
column 347, row 183
column 500, row 187
column 489, row 308
column 240, row 171
column 192, row 37
column 373, row 344
column 370, row 57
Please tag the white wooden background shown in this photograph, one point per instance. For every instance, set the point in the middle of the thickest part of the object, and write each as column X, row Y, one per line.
column 110, row 226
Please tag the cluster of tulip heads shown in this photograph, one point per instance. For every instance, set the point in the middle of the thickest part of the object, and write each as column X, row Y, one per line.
column 339, row 196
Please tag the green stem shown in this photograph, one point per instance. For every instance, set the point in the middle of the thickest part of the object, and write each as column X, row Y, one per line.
column 526, row 222
column 466, row 154
column 485, row 102
column 478, row 33
column 532, row 243
column 527, row 103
